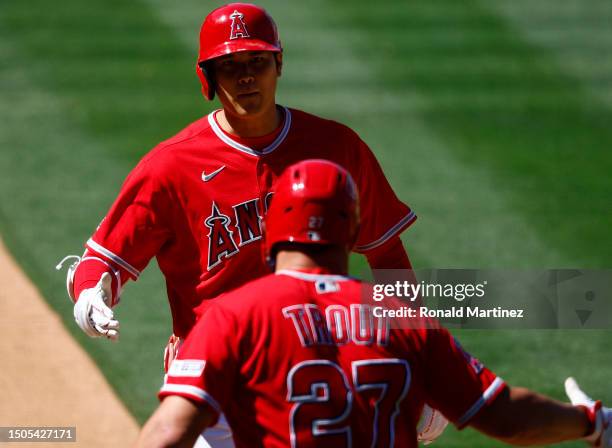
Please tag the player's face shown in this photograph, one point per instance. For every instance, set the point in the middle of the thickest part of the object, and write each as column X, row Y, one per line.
column 246, row 81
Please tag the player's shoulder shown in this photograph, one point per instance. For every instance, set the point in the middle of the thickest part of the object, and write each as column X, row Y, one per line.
column 246, row 303
column 282, row 288
column 191, row 135
column 192, row 131
column 258, row 293
column 302, row 120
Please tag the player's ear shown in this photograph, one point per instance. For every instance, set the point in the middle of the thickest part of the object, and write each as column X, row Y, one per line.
column 279, row 63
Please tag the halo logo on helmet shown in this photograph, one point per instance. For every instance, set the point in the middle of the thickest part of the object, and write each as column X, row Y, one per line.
column 315, row 202
column 224, row 31
column 239, row 28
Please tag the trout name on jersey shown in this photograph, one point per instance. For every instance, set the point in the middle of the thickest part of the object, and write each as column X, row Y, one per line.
column 223, row 242
column 337, row 325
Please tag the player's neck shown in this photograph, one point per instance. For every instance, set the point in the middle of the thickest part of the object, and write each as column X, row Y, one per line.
column 332, row 261
column 248, row 126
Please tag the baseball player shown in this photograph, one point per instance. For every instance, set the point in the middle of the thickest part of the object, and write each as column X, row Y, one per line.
column 196, row 201
column 297, row 359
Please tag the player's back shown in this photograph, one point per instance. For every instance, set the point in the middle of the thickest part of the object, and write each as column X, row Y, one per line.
column 316, row 368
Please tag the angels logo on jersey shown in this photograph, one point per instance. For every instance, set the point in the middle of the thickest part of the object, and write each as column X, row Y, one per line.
column 238, row 26
column 223, row 242
column 220, row 241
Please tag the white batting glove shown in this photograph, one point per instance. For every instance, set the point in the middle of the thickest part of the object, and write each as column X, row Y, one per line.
column 600, row 417
column 431, row 425
column 92, row 313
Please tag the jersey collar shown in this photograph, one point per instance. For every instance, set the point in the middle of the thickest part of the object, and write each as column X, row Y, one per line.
column 240, row 147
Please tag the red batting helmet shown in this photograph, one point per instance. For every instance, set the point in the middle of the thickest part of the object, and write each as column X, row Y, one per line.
column 230, row 29
column 314, row 202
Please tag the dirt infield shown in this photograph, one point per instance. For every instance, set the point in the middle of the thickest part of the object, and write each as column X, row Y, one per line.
column 46, row 379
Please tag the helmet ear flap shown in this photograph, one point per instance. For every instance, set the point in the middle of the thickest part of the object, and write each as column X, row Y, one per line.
column 207, row 80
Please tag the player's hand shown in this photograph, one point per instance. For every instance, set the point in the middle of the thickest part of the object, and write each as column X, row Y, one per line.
column 92, row 313
column 600, row 417
column 431, row 425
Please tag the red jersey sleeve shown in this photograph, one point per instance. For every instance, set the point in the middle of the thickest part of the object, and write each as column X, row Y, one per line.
column 383, row 215
column 457, row 384
column 137, row 224
column 206, row 367
column 390, row 255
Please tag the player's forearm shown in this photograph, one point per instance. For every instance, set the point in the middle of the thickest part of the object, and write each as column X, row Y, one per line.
column 158, row 434
column 543, row 420
column 522, row 417
column 176, row 423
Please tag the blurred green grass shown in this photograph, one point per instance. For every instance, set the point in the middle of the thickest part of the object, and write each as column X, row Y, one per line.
column 482, row 127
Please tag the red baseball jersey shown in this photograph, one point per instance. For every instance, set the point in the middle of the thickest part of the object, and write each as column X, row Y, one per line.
column 196, row 203
column 299, row 359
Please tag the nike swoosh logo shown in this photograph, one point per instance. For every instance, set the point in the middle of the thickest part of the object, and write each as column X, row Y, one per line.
column 207, row 177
